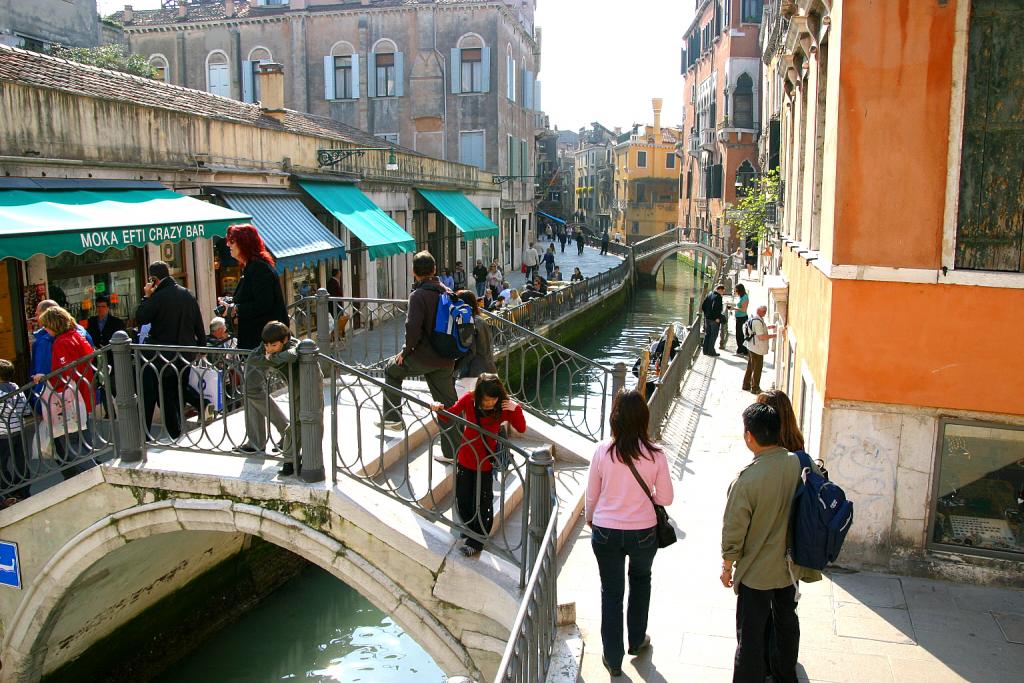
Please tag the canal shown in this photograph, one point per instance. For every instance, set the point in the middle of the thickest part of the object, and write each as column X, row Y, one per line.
column 316, row 628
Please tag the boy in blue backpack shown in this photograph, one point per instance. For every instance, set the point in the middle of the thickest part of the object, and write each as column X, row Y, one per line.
column 755, row 531
column 418, row 355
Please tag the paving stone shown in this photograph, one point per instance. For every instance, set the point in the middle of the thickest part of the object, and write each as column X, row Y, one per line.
column 1011, row 626
column 916, row 670
column 971, row 624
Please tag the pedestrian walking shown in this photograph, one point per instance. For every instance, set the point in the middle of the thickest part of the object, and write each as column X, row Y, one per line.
column 604, row 243
column 579, row 241
column 741, row 316
column 549, row 260
column 258, row 297
column 487, row 408
column 459, row 276
column 755, row 338
column 447, row 280
column 623, row 523
column 494, row 279
column 754, row 542
column 417, row 356
column 562, row 237
column 711, row 307
column 42, row 347
column 480, row 277
column 173, row 316
column 531, row 259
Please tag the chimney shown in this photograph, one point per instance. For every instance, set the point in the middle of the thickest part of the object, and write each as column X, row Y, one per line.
column 656, row 102
column 272, row 90
column 182, row 9
column 229, row 8
column 128, row 15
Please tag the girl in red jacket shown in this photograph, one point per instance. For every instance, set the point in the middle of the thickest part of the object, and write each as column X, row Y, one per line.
column 488, row 406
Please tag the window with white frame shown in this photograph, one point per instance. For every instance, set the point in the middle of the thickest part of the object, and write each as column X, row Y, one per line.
column 387, row 76
column 641, row 159
column 251, row 71
column 341, row 73
column 218, row 74
column 471, row 62
column 510, row 75
column 159, row 63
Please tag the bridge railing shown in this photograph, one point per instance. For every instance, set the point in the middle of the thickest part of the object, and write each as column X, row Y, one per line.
column 657, row 242
column 660, row 402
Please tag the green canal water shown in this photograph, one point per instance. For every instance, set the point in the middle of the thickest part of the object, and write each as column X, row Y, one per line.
column 316, row 628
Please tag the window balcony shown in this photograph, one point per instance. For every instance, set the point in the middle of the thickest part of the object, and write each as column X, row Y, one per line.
column 708, row 139
column 693, row 146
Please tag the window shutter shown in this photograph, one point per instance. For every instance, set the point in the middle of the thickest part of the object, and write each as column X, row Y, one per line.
column 485, row 67
column 247, row 85
column 716, row 182
column 536, row 96
column 329, row 77
column 355, row 76
column 528, row 90
column 371, row 75
column 399, row 74
column 456, row 70
column 521, row 90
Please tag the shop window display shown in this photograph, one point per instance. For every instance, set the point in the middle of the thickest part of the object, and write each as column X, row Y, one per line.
column 980, row 496
column 75, row 280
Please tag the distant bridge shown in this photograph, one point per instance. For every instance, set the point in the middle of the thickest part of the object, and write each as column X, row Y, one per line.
column 650, row 253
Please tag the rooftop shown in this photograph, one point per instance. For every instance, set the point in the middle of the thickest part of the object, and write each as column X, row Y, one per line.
column 43, row 71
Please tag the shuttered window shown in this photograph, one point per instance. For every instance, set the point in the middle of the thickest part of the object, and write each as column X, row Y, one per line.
column 990, row 217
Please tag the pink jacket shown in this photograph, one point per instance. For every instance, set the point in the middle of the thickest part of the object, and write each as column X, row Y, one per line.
column 615, row 499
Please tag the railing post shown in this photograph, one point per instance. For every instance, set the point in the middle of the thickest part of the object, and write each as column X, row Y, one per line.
column 311, row 411
column 542, row 492
column 618, row 377
column 323, row 319
column 129, row 440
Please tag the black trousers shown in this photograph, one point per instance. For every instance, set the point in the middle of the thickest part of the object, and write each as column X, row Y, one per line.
column 476, row 508
column 755, row 611
column 740, row 348
column 165, row 383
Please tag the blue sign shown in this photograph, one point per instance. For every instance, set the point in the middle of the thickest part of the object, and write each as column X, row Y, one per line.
column 10, row 565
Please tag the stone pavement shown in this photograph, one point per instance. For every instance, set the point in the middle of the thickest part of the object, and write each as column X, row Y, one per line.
column 856, row 626
column 591, row 263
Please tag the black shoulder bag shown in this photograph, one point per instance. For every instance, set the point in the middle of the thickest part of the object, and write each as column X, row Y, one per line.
column 666, row 534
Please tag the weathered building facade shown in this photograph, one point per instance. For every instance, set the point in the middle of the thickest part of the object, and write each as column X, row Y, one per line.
column 39, row 24
column 901, row 247
column 646, row 179
column 452, row 80
column 721, row 68
column 594, row 171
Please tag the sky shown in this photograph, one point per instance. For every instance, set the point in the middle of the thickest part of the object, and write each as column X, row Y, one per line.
column 601, row 60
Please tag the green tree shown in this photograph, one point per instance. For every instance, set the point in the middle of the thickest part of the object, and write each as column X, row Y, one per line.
column 750, row 217
column 113, row 57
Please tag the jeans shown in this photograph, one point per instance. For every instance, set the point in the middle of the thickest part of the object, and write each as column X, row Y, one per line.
column 611, row 548
column 755, row 610
column 710, row 336
column 475, row 511
column 480, row 288
column 752, row 377
column 740, row 348
column 440, row 381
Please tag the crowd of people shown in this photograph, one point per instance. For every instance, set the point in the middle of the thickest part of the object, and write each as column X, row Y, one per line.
column 752, row 331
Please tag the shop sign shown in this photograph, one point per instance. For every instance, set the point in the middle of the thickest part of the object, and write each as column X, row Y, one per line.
column 119, row 238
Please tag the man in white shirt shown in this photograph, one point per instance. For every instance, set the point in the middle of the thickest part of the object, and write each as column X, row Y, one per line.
column 755, row 335
column 531, row 259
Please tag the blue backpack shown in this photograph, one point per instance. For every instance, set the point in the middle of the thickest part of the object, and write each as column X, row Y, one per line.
column 821, row 518
column 453, row 330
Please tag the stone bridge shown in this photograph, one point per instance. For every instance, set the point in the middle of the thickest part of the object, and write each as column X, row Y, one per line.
column 650, row 253
column 99, row 549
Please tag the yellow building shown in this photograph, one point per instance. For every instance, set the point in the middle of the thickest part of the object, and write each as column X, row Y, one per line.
column 646, row 180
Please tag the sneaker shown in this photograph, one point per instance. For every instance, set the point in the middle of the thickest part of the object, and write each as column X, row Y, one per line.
column 615, row 671
column 443, row 460
column 247, row 449
column 390, row 425
column 634, row 651
column 469, row 551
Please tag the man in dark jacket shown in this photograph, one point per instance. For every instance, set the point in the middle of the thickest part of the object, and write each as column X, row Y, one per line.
column 174, row 319
column 418, row 357
column 712, row 308
column 103, row 325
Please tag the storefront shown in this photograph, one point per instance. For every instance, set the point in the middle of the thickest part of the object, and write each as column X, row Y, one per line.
column 470, row 224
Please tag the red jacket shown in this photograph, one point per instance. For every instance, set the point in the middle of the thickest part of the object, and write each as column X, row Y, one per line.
column 67, row 348
column 473, row 453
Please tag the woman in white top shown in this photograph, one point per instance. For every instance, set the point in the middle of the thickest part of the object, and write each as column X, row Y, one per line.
column 623, row 522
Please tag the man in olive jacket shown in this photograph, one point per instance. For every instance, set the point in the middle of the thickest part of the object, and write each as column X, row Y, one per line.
column 417, row 356
column 755, row 536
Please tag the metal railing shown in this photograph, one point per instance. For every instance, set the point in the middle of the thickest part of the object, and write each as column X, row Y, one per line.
column 660, row 402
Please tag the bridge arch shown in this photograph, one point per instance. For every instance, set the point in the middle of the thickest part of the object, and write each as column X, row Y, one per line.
column 28, row 633
column 650, row 264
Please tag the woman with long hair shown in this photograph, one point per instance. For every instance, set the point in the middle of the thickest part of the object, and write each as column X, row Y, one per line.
column 623, row 521
column 742, row 303
column 258, row 297
column 790, row 436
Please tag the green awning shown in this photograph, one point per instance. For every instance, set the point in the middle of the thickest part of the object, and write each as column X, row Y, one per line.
column 382, row 236
column 51, row 222
column 460, row 211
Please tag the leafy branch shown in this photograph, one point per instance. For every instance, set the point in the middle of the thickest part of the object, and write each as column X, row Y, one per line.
column 113, row 57
column 750, row 217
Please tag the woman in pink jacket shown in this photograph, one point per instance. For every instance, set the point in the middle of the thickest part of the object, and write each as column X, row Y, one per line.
column 622, row 522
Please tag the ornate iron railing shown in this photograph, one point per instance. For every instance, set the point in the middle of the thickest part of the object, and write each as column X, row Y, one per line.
column 660, row 402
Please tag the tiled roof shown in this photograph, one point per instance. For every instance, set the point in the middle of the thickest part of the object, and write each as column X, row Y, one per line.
column 42, row 71
column 248, row 9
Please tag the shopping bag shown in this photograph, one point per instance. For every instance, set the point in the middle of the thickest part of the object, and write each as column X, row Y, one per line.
column 64, row 411
column 208, row 381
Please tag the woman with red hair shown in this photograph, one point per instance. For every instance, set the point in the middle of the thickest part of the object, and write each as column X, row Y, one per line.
column 258, row 296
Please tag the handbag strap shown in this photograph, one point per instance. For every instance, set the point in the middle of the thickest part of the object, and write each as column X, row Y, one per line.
column 643, row 484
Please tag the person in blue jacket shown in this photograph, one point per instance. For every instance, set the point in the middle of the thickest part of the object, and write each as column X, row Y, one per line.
column 42, row 345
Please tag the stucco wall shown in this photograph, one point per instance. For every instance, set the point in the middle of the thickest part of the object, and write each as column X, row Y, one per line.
column 810, row 322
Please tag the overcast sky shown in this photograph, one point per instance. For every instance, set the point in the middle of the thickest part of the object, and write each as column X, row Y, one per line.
column 603, row 60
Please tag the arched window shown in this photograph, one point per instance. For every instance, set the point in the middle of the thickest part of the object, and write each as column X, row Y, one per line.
column 510, row 74
column 387, row 70
column 471, row 65
column 250, row 73
column 159, row 62
column 743, row 102
column 218, row 74
column 341, row 73
column 746, row 178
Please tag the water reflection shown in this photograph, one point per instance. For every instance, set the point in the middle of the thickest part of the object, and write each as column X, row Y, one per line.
column 315, row 628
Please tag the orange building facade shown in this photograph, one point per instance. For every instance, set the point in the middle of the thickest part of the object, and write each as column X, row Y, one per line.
column 901, row 268
column 721, row 66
